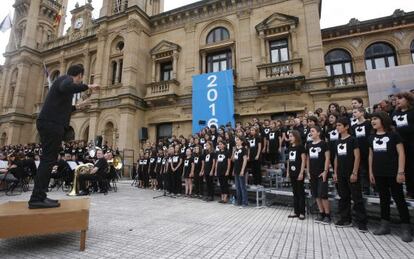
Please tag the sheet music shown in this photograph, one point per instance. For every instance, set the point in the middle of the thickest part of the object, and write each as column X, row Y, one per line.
column 72, row 165
column 3, row 164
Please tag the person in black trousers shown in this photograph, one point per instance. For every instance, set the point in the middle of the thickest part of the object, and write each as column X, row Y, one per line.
column 386, row 171
column 295, row 171
column 207, row 172
column 346, row 164
column 53, row 119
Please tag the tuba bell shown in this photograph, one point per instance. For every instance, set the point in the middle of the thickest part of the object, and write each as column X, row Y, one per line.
column 116, row 162
column 80, row 169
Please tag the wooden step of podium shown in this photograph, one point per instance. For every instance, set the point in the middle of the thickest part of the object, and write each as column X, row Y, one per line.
column 16, row 220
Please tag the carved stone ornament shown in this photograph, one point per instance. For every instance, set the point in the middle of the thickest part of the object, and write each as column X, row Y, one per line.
column 356, row 42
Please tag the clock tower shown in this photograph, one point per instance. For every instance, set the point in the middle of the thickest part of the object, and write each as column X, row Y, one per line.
column 81, row 17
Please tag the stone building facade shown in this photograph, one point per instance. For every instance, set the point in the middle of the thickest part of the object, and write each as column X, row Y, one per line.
column 144, row 60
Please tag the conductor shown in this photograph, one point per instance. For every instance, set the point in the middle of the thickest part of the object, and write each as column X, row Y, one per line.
column 53, row 119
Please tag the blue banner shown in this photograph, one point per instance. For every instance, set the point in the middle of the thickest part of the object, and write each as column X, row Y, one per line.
column 213, row 100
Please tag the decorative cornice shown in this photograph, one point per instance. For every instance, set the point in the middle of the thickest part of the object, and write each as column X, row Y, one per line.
column 205, row 11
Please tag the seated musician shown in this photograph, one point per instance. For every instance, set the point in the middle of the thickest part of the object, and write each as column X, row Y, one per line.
column 13, row 172
column 62, row 170
column 97, row 174
column 4, row 169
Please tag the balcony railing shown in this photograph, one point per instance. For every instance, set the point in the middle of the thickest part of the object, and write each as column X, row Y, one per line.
column 70, row 38
column 162, row 89
column 280, row 70
column 352, row 79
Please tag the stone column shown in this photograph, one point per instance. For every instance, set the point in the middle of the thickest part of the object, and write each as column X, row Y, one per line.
column 262, row 48
column 175, row 64
column 86, row 66
column 203, row 62
column 294, row 48
column 154, row 70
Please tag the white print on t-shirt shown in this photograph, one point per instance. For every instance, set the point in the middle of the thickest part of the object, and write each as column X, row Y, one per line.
column 159, row 160
column 182, row 149
column 152, row 160
column 401, row 120
column 186, row 162
column 221, row 157
column 169, row 160
column 175, row 159
column 272, row 135
column 380, row 144
column 236, row 154
column 341, row 149
column 202, row 141
column 353, row 121
column 333, row 135
column 205, row 146
column 228, row 146
column 252, row 142
column 217, row 149
column 144, row 162
column 360, row 131
column 314, row 152
column 208, row 158
column 292, row 155
column 293, row 168
column 196, row 160
column 267, row 131
column 309, row 138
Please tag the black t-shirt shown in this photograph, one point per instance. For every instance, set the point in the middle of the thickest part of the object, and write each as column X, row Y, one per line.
column 239, row 153
column 197, row 164
column 222, row 159
column 187, row 165
column 332, row 137
column 295, row 159
column 254, row 146
column 344, row 152
column 208, row 162
column 152, row 163
column 158, row 163
column 265, row 133
column 404, row 123
column 274, row 143
column 385, row 156
column 362, row 132
column 176, row 160
column 102, row 166
column 316, row 153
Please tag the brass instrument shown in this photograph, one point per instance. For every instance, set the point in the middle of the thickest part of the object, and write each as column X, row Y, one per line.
column 116, row 162
column 80, row 169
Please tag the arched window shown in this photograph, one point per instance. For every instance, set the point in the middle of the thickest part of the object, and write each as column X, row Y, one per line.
column 54, row 75
column 338, row 62
column 109, row 134
column 412, row 51
column 380, row 55
column 218, row 34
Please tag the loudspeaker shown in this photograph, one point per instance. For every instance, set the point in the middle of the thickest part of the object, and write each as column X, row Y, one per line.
column 143, row 133
column 98, row 141
column 202, row 122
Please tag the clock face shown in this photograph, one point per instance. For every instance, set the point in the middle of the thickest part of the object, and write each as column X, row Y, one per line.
column 78, row 23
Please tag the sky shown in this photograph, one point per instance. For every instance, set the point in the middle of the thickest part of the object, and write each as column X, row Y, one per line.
column 334, row 12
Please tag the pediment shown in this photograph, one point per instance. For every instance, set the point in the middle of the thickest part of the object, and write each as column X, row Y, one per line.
column 164, row 46
column 277, row 20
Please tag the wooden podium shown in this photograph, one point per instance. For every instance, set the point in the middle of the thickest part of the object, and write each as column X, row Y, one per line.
column 16, row 220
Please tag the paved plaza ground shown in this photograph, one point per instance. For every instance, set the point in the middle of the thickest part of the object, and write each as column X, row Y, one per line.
column 131, row 224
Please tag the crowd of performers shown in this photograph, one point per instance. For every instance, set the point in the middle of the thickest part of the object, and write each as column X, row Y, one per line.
column 19, row 162
column 362, row 152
